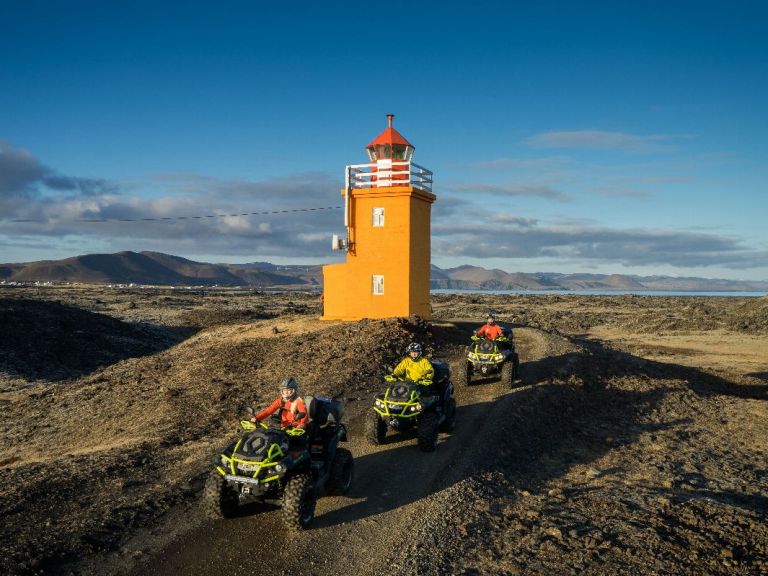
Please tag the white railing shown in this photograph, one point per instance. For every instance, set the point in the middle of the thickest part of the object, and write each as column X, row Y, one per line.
column 388, row 173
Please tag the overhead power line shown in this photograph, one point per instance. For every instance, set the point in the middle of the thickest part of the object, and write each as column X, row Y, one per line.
column 166, row 218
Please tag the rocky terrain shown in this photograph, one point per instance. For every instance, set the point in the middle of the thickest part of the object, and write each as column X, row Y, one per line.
column 636, row 442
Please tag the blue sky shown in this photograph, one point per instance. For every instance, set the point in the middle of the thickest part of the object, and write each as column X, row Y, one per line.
column 606, row 137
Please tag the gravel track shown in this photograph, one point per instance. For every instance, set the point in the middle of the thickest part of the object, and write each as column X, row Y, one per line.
column 396, row 489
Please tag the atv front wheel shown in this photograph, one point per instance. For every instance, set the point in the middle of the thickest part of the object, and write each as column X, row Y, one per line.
column 375, row 428
column 450, row 416
column 508, row 373
column 427, row 432
column 299, row 502
column 342, row 471
column 219, row 498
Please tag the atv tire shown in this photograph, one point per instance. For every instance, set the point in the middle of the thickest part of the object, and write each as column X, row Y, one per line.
column 463, row 374
column 375, row 428
column 427, row 431
column 342, row 471
column 450, row 416
column 219, row 498
column 299, row 502
column 508, row 373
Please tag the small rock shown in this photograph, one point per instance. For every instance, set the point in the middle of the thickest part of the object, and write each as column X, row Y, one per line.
column 554, row 532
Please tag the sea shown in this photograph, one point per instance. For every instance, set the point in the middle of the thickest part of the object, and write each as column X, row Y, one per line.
column 604, row 293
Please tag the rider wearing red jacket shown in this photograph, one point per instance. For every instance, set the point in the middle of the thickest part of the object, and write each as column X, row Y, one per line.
column 491, row 330
column 293, row 410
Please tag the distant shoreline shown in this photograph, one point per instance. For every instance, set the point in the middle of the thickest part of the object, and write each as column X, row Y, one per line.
column 445, row 291
column 718, row 293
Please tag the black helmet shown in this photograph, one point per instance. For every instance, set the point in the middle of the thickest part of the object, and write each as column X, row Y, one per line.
column 289, row 384
column 413, row 347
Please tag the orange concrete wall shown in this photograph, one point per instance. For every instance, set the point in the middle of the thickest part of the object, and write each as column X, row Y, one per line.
column 399, row 250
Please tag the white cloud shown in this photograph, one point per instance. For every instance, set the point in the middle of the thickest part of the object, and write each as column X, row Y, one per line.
column 628, row 247
column 546, row 164
column 603, row 140
column 512, row 189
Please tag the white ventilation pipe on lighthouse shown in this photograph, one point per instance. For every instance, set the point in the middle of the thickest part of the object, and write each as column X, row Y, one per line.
column 347, row 192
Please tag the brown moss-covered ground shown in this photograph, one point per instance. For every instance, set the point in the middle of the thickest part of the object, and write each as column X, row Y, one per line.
column 635, row 444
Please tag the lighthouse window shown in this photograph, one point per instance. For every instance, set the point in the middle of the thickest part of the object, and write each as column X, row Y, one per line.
column 398, row 152
column 378, row 217
column 378, row 285
column 384, row 152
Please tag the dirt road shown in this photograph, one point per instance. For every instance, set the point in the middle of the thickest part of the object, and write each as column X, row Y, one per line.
column 394, row 490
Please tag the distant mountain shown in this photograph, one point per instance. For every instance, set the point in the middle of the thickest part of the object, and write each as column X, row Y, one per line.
column 143, row 268
column 477, row 278
column 156, row 268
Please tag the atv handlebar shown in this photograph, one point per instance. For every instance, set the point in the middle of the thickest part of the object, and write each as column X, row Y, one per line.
column 422, row 382
column 248, row 425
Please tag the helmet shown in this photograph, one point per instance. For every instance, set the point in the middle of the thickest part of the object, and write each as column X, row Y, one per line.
column 289, row 388
column 414, row 347
column 491, row 317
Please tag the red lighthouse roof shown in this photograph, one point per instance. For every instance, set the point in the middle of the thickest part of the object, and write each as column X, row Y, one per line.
column 390, row 136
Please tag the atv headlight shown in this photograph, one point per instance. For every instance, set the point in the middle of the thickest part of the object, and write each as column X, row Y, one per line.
column 379, row 404
column 472, row 356
column 224, row 461
column 498, row 357
column 416, row 408
column 284, row 465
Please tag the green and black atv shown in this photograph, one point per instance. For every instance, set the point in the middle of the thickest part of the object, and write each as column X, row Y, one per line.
column 268, row 464
column 406, row 405
column 488, row 357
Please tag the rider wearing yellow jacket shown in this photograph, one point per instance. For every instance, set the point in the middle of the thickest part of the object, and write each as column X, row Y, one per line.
column 414, row 366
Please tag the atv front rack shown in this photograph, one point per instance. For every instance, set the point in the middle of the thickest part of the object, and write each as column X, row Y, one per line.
column 409, row 408
column 274, row 457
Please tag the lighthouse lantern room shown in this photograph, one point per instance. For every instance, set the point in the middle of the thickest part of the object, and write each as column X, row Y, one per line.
column 387, row 213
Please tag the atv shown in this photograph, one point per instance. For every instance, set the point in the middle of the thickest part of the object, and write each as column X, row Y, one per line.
column 486, row 356
column 291, row 466
column 405, row 405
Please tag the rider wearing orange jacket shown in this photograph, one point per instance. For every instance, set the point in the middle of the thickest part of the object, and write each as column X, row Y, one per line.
column 293, row 410
column 490, row 330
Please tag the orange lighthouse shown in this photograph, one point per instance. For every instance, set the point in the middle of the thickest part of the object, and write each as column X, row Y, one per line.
column 387, row 211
